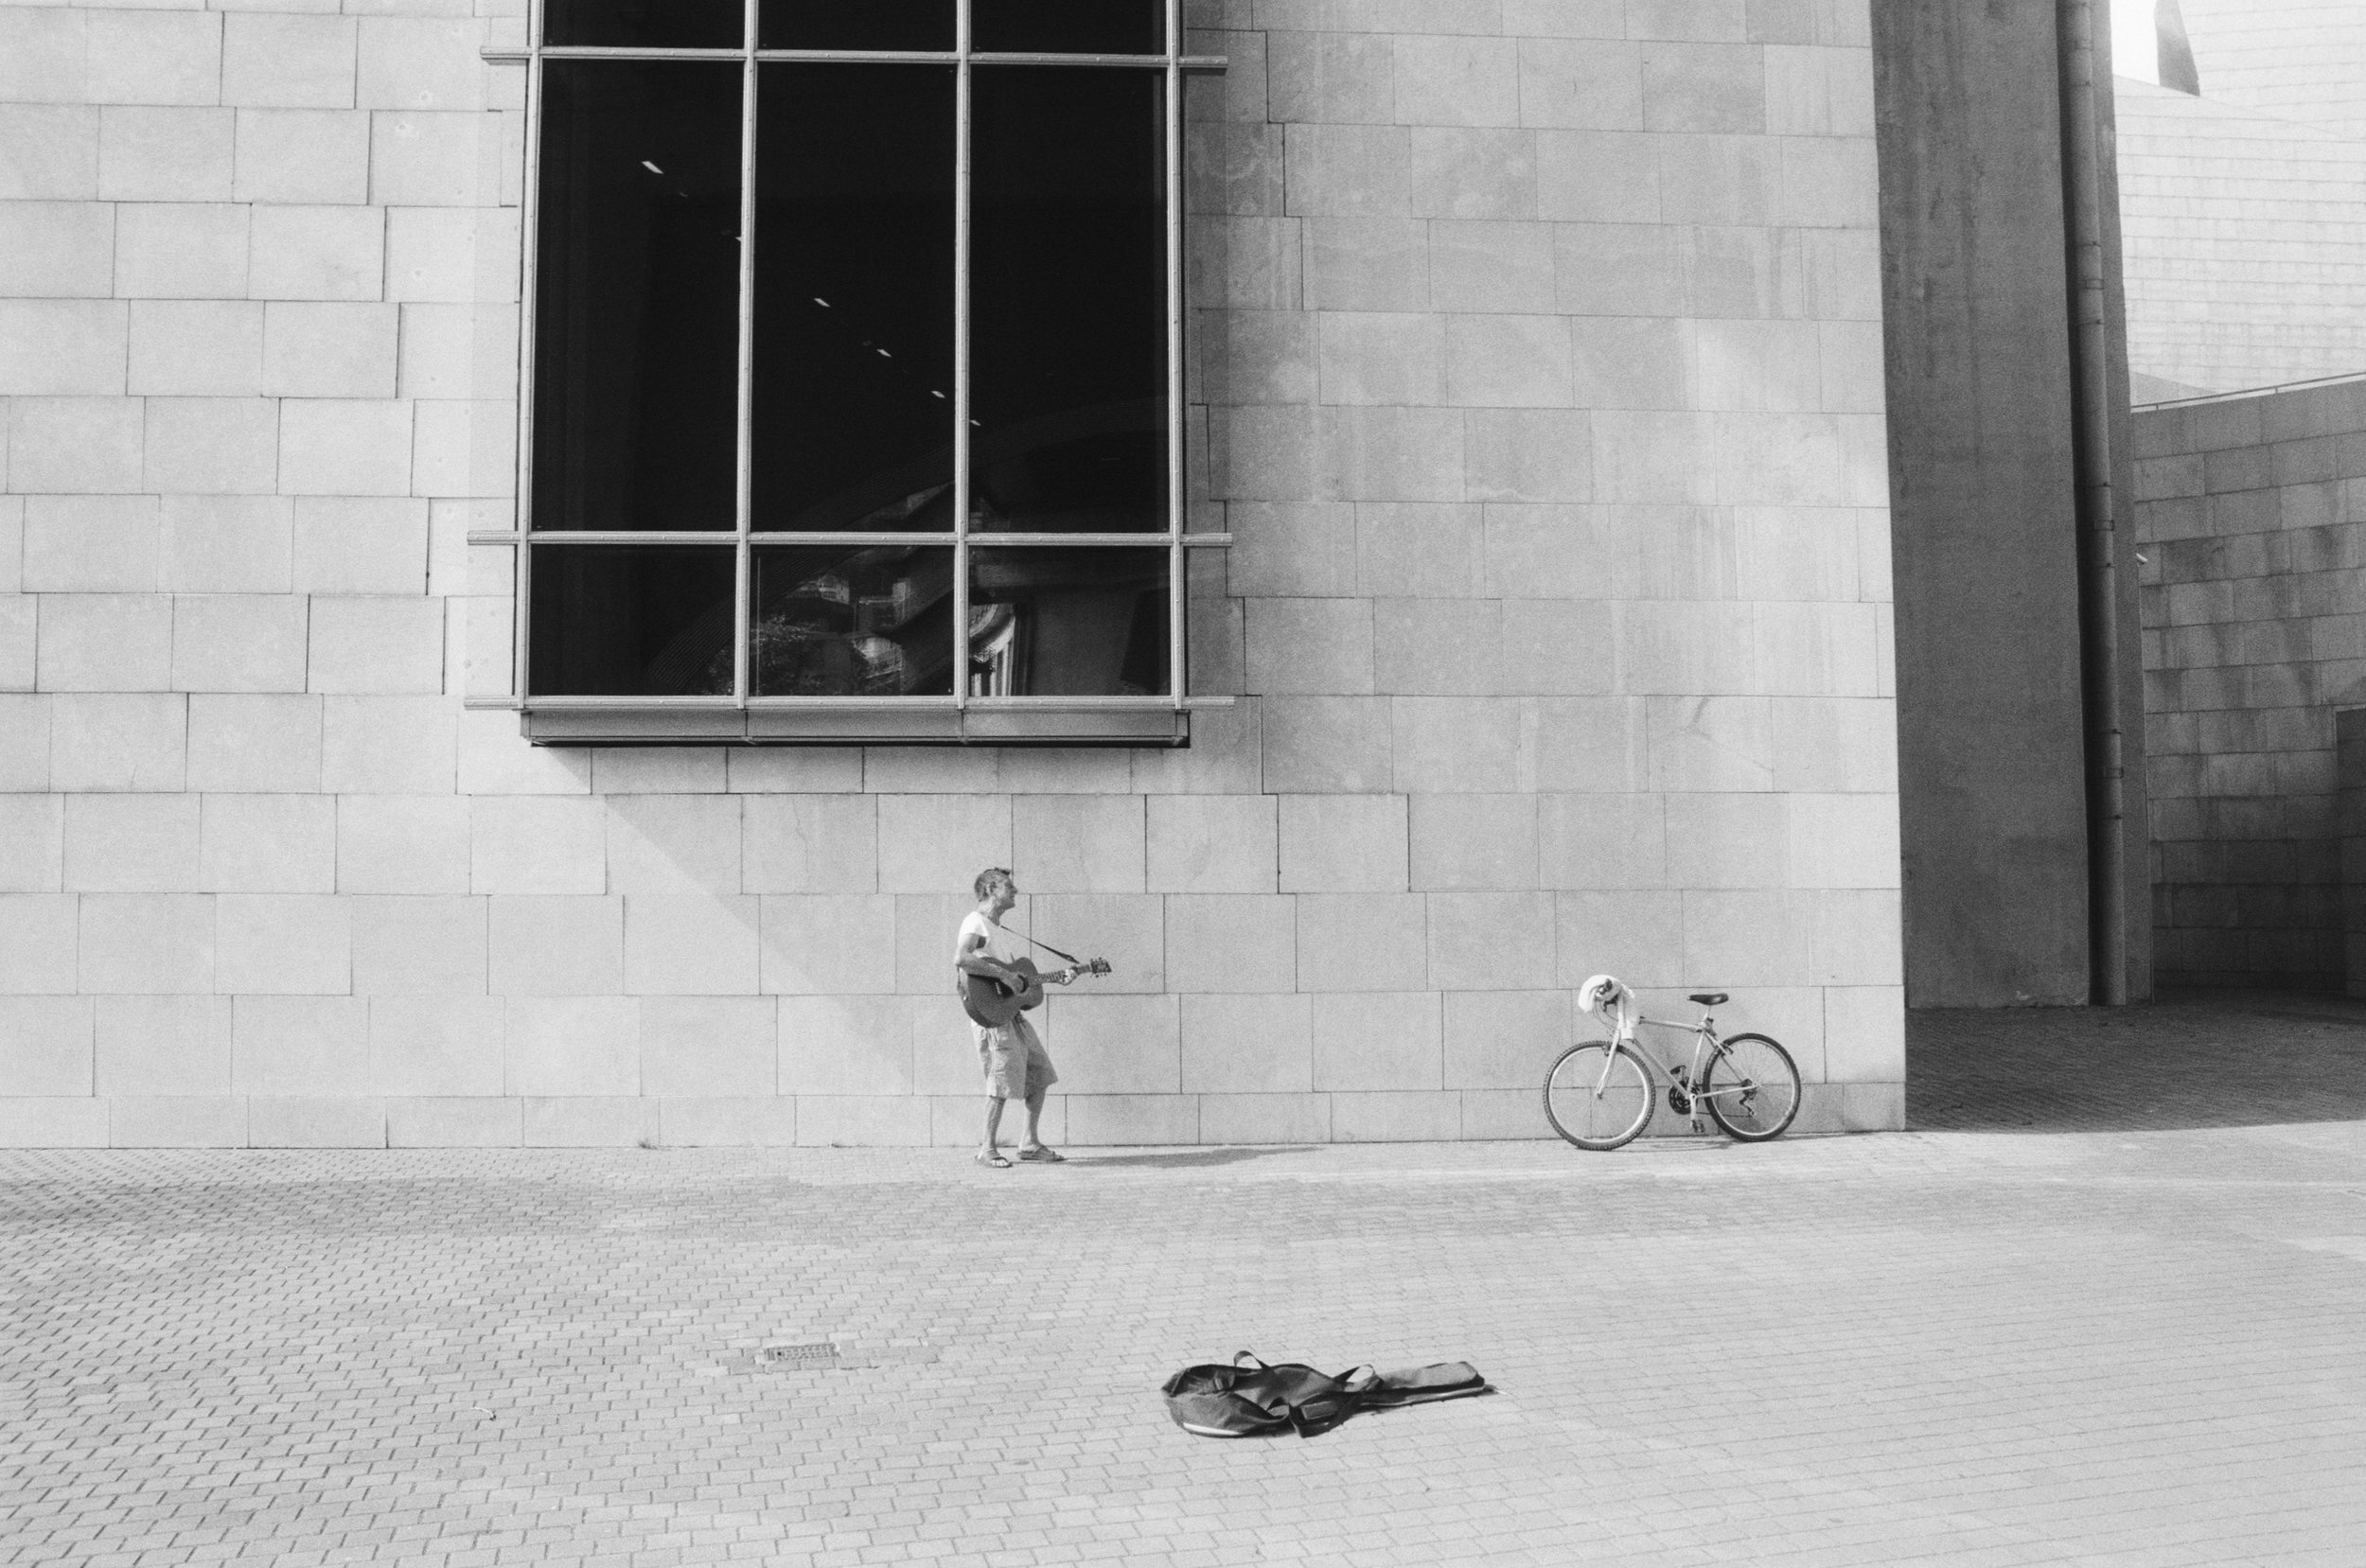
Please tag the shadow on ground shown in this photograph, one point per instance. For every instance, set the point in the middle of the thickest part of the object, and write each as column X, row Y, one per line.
column 1187, row 1159
column 2191, row 1059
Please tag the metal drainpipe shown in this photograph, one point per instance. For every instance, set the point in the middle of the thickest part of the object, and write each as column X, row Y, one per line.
column 2098, row 598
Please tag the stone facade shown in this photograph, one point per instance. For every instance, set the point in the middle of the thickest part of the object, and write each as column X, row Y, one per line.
column 2245, row 207
column 2297, row 59
column 2350, row 765
column 2255, row 636
column 1537, row 372
column 2244, row 234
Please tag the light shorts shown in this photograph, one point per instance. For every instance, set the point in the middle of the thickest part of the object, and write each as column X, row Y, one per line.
column 1015, row 1064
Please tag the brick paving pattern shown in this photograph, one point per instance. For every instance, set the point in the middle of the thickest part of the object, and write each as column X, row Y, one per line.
column 2075, row 1341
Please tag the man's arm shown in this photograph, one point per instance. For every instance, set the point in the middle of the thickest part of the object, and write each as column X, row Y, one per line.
column 972, row 958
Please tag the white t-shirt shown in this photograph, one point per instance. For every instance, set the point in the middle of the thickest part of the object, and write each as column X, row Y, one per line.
column 1000, row 946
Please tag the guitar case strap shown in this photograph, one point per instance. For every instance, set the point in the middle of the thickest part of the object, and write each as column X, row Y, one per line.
column 1065, row 958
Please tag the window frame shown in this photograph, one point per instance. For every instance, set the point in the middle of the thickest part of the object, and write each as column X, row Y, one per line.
column 956, row 718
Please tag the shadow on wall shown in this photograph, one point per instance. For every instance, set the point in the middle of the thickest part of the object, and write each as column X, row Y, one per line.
column 2349, row 727
column 2216, row 1059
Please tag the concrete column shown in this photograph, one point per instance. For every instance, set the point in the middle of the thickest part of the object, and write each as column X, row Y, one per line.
column 1984, row 491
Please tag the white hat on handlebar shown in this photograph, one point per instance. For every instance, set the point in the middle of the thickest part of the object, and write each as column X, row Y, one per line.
column 1604, row 993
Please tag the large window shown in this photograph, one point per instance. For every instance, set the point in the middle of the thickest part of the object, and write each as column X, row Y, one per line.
column 855, row 351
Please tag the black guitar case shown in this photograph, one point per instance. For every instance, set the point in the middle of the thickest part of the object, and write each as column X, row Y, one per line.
column 1255, row 1400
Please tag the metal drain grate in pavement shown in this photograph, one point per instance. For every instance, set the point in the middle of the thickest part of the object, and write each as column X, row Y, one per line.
column 850, row 1355
column 794, row 1358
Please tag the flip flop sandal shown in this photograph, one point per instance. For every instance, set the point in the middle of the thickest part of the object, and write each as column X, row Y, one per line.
column 996, row 1160
column 1044, row 1155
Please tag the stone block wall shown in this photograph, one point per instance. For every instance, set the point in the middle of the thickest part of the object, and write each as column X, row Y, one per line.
column 2350, row 765
column 1537, row 372
column 2302, row 59
column 2253, row 514
column 2244, row 233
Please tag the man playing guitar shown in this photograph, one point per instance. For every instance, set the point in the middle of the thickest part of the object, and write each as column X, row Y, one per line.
column 1015, row 1064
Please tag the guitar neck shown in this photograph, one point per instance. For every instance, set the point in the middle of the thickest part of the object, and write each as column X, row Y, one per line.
column 1071, row 971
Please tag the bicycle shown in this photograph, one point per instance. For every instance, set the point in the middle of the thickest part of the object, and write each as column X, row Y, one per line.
column 1600, row 1094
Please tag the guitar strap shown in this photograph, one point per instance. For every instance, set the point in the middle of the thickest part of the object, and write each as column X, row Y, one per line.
column 1068, row 958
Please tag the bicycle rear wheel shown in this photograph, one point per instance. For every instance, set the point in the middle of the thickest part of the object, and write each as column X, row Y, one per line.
column 1597, row 1095
column 1751, row 1087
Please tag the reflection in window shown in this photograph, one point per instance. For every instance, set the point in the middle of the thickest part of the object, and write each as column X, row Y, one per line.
column 645, row 24
column 851, row 620
column 1052, row 27
column 855, row 25
column 1067, row 334
column 1052, row 622
column 631, row 621
column 853, row 309
column 636, row 309
column 836, row 451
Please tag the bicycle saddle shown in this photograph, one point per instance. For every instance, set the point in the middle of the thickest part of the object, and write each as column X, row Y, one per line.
column 1710, row 998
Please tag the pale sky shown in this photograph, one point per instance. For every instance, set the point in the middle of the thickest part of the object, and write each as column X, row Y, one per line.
column 2133, row 52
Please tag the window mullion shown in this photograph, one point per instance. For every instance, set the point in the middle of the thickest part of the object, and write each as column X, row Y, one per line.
column 1177, row 597
column 529, row 262
column 744, row 504
column 960, row 354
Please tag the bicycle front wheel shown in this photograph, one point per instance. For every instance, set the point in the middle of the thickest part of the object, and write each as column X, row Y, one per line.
column 1751, row 1087
column 1597, row 1095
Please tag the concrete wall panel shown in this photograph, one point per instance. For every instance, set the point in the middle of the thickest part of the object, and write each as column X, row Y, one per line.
column 1536, row 359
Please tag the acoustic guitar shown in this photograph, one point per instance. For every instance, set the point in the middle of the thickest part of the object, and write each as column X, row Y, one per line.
column 992, row 1003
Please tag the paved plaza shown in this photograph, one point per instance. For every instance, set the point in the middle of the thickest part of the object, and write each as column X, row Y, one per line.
column 2048, row 1325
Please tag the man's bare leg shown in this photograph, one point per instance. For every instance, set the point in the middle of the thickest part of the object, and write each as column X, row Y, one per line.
column 1035, row 1118
column 994, row 1126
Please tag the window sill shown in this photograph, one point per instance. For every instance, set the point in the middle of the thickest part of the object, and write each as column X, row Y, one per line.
column 1150, row 722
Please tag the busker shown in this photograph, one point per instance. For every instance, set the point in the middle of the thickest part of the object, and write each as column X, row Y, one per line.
column 1012, row 1055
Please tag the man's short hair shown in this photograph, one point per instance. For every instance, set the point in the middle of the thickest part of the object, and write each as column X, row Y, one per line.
column 991, row 878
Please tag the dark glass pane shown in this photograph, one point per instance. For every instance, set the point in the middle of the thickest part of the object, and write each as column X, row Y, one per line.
column 1068, row 300
column 645, row 24
column 637, row 308
column 855, row 25
column 854, row 410
column 1070, row 27
column 631, row 620
column 852, row 621
column 1055, row 622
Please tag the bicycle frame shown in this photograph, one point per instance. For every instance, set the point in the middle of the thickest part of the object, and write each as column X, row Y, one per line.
column 1705, row 1044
